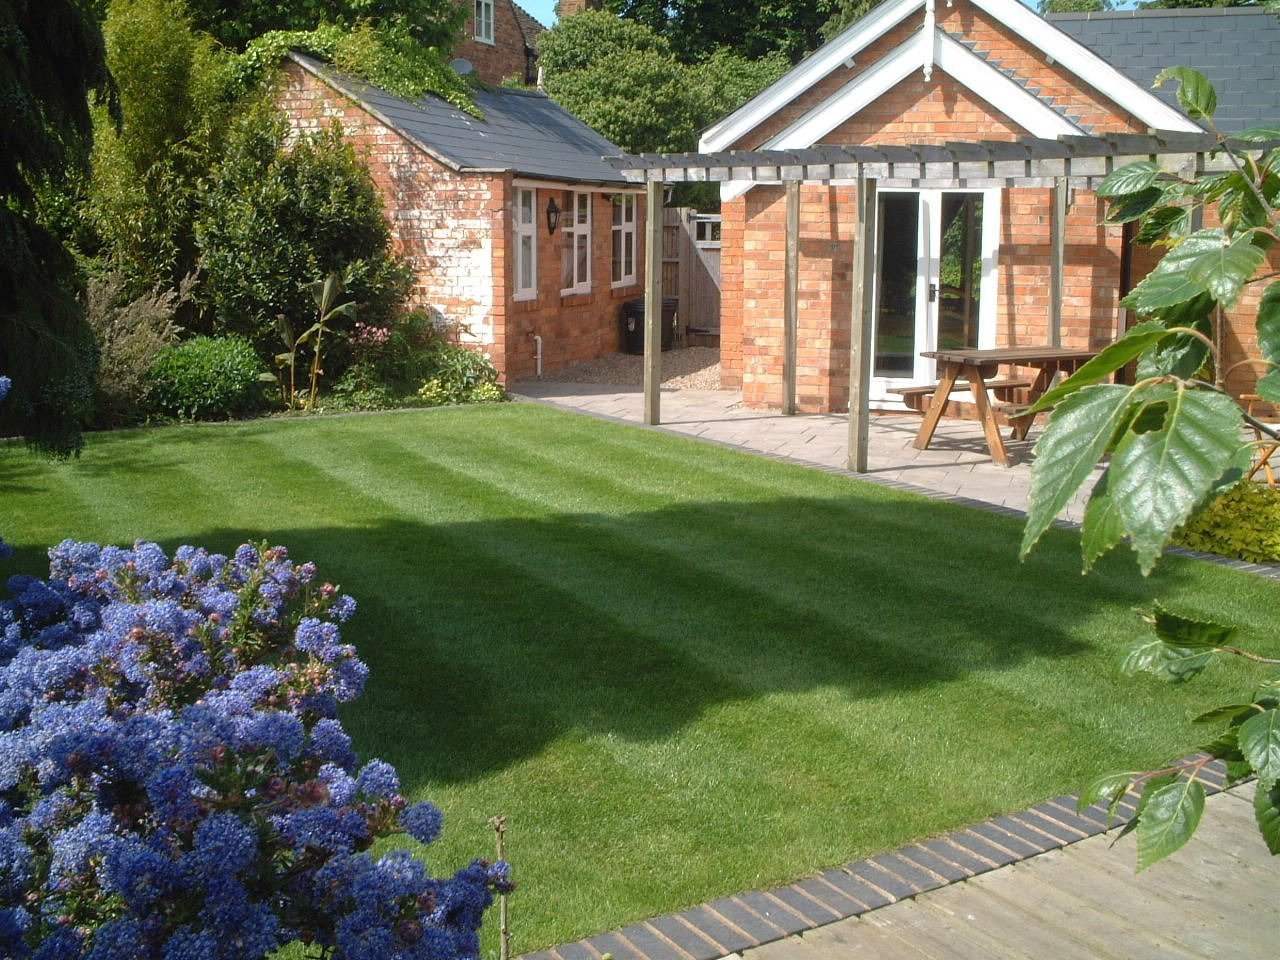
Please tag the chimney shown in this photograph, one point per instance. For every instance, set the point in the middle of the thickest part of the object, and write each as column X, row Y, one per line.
column 567, row 8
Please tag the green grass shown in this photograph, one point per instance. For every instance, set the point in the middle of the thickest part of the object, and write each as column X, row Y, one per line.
column 678, row 670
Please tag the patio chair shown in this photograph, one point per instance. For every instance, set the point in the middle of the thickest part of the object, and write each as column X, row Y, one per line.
column 1265, row 447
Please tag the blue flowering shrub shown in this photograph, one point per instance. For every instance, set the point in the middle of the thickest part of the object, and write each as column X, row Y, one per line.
column 175, row 783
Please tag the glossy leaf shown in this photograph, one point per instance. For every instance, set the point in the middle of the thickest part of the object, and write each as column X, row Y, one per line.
column 1226, row 747
column 1195, row 93
column 1224, row 271
column 1170, row 816
column 1173, row 663
column 1268, row 387
column 1137, row 341
column 1109, row 789
column 1266, row 808
column 1268, row 323
column 1228, row 713
column 1170, row 282
column 1133, row 206
column 1169, row 223
column 1261, row 134
column 1159, row 476
column 1131, row 178
column 1102, row 529
column 1181, row 355
column 1184, row 632
column 1078, row 434
column 1260, row 743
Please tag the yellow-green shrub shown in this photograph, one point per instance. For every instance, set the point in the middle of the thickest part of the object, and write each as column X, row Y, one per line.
column 1244, row 522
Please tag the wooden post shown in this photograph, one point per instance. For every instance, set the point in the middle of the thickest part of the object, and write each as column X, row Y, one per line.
column 653, row 303
column 862, row 345
column 790, row 299
column 1057, row 259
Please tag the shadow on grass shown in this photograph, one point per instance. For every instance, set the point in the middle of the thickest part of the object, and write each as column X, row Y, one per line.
column 489, row 640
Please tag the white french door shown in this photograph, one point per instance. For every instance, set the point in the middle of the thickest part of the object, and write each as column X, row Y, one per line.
column 935, row 281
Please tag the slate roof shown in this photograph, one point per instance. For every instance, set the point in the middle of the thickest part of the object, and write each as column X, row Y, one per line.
column 1237, row 48
column 523, row 131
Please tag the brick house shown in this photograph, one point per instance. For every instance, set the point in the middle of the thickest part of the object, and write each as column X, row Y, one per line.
column 500, row 40
column 952, row 266
column 514, row 226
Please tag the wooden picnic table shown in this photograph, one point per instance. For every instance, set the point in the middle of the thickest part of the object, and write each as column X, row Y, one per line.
column 977, row 366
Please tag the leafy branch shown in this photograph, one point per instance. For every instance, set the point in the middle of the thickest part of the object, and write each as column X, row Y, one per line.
column 1171, row 442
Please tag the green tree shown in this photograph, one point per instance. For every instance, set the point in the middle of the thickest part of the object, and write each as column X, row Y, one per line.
column 52, row 58
column 846, row 12
column 622, row 79
column 433, row 23
column 695, row 29
column 174, row 107
column 1075, row 6
column 1172, row 442
column 274, row 218
column 1190, row 4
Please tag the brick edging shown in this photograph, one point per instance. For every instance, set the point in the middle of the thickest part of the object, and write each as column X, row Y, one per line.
column 739, row 922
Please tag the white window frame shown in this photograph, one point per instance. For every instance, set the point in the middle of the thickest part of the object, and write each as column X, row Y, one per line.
column 526, row 231
column 623, row 238
column 483, row 21
column 575, row 224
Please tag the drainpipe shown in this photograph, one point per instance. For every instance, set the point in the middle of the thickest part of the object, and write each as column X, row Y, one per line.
column 537, row 355
column 927, row 37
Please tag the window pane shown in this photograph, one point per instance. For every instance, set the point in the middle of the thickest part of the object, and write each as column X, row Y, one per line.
column 580, row 276
column 525, row 280
column 617, row 213
column 629, row 255
column 619, row 266
column 567, row 258
column 584, row 207
column 526, row 206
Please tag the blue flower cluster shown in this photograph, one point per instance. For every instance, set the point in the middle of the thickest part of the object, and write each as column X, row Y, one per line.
column 175, row 783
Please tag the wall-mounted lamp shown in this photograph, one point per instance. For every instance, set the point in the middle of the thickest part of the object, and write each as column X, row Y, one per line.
column 553, row 215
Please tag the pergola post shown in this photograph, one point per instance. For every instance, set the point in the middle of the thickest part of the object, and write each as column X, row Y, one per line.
column 861, row 342
column 791, row 299
column 1057, row 254
column 653, row 303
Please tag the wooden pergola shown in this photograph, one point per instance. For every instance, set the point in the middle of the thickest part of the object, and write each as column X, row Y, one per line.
column 1069, row 161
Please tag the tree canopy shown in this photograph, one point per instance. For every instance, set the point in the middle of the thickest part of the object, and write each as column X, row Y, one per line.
column 695, row 29
column 53, row 58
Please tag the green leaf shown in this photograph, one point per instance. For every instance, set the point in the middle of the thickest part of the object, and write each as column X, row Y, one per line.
column 1268, row 323
column 1170, row 815
column 1189, row 634
column 1266, row 807
column 1108, row 788
column 1169, row 283
column 1196, row 95
column 1260, row 744
column 1157, row 477
column 1156, row 656
column 1226, row 270
column 1102, row 529
column 1167, row 222
column 1135, row 205
column 1131, row 178
column 1076, row 438
column 1261, row 134
column 1268, row 387
column 1136, row 341
column 1225, row 747
column 1228, row 713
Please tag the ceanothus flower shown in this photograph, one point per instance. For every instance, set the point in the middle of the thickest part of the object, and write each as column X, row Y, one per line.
column 423, row 821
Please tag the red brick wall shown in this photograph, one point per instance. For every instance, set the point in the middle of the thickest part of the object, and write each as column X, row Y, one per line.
column 577, row 327
column 456, row 231
column 505, row 57
column 915, row 111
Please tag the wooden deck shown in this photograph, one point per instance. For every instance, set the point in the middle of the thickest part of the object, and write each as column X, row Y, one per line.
column 1213, row 899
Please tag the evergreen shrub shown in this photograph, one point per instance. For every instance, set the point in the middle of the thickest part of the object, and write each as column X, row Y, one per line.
column 207, row 378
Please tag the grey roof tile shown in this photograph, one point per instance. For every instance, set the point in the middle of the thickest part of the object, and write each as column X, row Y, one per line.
column 1237, row 48
column 523, row 131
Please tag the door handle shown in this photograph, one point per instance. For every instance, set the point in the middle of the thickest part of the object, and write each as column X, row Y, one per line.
column 933, row 293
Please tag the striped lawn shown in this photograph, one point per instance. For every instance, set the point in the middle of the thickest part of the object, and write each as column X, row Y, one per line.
column 679, row 671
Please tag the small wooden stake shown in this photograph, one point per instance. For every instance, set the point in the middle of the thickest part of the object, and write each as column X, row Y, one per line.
column 499, row 825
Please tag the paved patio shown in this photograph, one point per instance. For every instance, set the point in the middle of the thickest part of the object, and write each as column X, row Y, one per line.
column 956, row 464
column 1042, row 883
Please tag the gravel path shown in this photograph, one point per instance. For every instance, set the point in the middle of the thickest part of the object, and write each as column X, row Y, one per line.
column 691, row 368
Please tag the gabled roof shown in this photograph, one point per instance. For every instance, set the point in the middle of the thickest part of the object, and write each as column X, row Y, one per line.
column 982, row 77
column 530, row 26
column 523, row 131
column 1237, row 48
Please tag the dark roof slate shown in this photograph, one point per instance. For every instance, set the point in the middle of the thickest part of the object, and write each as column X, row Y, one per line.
column 1237, row 48
column 523, row 131
column 530, row 26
